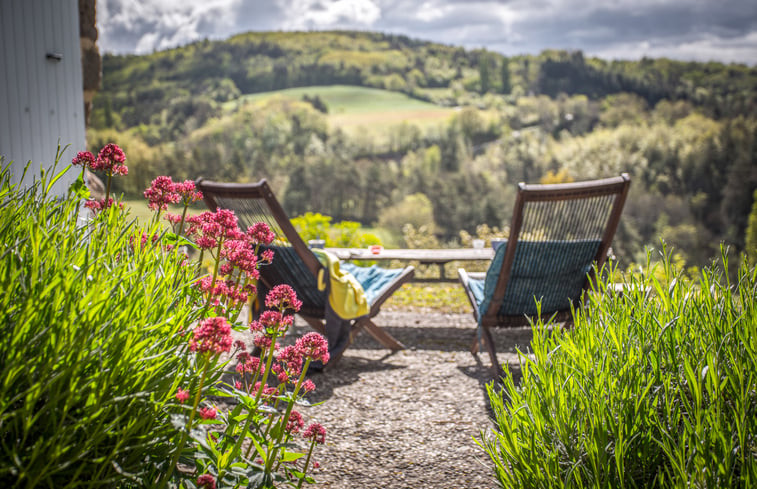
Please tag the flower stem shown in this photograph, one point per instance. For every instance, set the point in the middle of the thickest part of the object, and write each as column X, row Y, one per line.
column 188, row 427
column 307, row 463
column 183, row 216
column 285, row 418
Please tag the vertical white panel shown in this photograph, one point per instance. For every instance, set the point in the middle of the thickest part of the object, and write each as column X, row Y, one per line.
column 42, row 99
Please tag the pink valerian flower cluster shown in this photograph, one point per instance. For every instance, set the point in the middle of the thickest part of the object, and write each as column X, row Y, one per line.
column 100, row 205
column 241, row 255
column 182, row 395
column 84, row 159
column 260, row 233
column 207, row 481
column 212, row 335
column 288, row 365
column 234, row 294
column 110, row 159
column 208, row 413
column 283, row 297
column 209, row 228
column 315, row 432
column 272, row 323
column 249, row 364
column 163, row 191
column 295, row 422
column 313, row 346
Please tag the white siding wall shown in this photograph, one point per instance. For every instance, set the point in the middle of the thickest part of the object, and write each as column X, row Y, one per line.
column 41, row 100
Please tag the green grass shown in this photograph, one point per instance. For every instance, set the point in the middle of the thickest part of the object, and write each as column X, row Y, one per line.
column 137, row 208
column 369, row 112
column 347, row 99
column 445, row 297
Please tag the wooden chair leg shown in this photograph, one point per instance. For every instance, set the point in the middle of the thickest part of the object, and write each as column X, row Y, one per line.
column 316, row 324
column 489, row 342
column 381, row 335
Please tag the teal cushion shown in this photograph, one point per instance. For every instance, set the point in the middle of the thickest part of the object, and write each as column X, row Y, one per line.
column 552, row 272
column 373, row 278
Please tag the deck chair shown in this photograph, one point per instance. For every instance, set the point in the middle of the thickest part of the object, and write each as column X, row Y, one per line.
column 560, row 236
column 296, row 265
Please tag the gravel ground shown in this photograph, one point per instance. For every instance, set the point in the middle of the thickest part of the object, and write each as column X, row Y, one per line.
column 408, row 419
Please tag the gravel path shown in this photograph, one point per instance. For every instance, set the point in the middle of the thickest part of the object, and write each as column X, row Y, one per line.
column 408, row 419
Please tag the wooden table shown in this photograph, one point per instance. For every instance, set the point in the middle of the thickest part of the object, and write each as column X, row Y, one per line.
column 440, row 257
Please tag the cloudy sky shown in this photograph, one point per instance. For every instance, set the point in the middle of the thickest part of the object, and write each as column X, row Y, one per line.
column 701, row 30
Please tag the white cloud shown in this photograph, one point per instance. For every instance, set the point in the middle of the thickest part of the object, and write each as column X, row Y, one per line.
column 160, row 24
column 725, row 30
column 709, row 48
column 315, row 14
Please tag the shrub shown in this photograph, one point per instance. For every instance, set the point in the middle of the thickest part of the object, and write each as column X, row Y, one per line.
column 653, row 388
column 114, row 342
column 91, row 330
column 343, row 234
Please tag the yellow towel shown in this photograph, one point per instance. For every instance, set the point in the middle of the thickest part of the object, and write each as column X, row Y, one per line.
column 346, row 295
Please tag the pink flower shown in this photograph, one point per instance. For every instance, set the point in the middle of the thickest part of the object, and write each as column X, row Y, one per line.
column 260, row 233
column 316, row 465
column 241, row 255
column 161, row 193
column 283, row 297
column 308, row 386
column 272, row 322
column 292, row 358
column 207, row 481
column 266, row 256
column 315, row 432
column 211, row 227
column 240, row 345
column 248, row 363
column 100, row 205
column 261, row 341
column 83, row 158
column 110, row 159
column 182, row 395
column 172, row 218
column 295, row 422
column 268, row 391
column 313, row 346
column 187, row 191
column 212, row 335
column 208, row 413
column 283, row 376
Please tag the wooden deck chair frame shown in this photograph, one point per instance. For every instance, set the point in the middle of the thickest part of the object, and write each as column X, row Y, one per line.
column 214, row 191
column 616, row 188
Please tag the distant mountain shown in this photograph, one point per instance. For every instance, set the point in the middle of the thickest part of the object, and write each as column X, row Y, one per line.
column 193, row 77
column 386, row 118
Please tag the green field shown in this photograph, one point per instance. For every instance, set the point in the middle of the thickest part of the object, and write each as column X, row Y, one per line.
column 360, row 110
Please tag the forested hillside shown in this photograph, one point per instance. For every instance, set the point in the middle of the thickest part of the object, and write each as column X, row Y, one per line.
column 686, row 132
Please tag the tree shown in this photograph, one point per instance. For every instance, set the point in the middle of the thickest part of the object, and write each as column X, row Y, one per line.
column 485, row 72
column 504, row 75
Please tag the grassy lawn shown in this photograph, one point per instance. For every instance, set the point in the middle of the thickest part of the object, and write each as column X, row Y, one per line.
column 138, row 209
column 446, row 297
column 369, row 112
